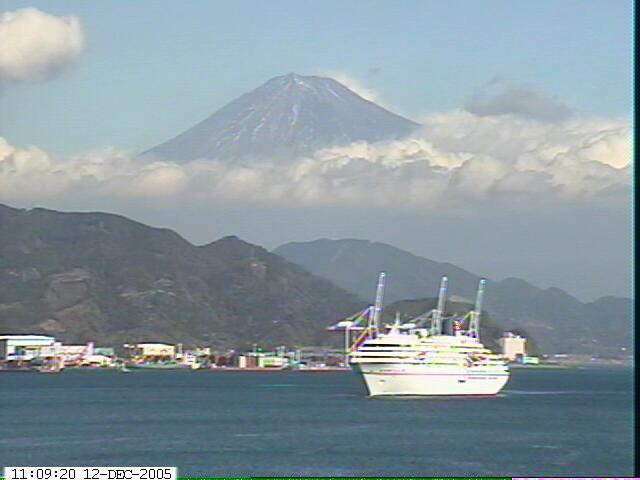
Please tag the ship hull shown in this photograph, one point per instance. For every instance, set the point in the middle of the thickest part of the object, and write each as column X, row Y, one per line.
column 394, row 379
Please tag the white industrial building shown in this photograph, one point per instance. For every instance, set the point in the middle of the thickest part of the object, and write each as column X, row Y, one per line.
column 23, row 347
column 77, row 354
column 512, row 345
column 155, row 350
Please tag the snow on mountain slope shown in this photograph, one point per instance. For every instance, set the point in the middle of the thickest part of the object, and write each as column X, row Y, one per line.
column 287, row 117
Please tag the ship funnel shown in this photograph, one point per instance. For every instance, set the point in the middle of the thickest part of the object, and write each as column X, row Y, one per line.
column 439, row 312
column 377, row 308
column 474, row 323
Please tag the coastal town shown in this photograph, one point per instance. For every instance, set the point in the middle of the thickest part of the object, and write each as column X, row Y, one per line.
column 45, row 354
column 41, row 353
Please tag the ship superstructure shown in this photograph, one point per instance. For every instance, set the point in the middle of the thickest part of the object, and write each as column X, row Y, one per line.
column 429, row 355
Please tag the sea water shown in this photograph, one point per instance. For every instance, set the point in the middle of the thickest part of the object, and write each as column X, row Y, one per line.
column 546, row 422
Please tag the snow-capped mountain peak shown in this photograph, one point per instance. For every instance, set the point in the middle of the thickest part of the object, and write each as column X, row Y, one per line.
column 287, row 117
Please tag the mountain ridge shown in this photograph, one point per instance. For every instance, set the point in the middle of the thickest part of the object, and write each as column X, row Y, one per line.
column 102, row 277
column 559, row 322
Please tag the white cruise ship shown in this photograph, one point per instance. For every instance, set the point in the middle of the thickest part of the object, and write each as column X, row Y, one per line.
column 430, row 355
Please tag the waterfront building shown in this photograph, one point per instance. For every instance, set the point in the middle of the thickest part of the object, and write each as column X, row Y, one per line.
column 78, row 355
column 156, row 351
column 261, row 360
column 512, row 345
column 270, row 361
column 526, row 359
column 23, row 347
column 105, row 351
column 68, row 351
column 97, row 361
column 202, row 351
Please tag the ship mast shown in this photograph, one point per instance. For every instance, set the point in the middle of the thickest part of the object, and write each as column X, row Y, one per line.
column 436, row 328
column 474, row 322
column 374, row 314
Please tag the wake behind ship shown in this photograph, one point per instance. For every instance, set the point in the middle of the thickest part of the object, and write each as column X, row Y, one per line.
column 422, row 357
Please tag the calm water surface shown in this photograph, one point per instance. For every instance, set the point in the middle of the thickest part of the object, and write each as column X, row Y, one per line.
column 546, row 422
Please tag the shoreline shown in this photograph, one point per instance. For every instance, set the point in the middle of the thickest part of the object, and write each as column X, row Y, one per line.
column 513, row 366
column 571, row 365
column 263, row 369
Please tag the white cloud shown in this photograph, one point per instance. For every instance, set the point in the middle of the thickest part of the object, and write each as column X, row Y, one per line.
column 457, row 160
column 32, row 174
column 25, row 172
column 156, row 180
column 505, row 97
column 355, row 85
column 36, row 45
column 578, row 157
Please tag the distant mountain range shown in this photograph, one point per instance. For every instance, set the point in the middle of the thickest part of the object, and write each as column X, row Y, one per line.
column 559, row 322
column 286, row 117
column 102, row 277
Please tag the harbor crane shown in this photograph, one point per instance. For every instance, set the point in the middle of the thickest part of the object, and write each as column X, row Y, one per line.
column 438, row 313
column 474, row 321
column 374, row 314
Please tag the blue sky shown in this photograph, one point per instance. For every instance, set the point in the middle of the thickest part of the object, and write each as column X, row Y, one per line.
column 511, row 184
column 154, row 68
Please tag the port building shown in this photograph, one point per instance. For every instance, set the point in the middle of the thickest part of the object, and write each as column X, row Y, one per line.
column 155, row 351
column 261, row 360
column 512, row 346
column 23, row 347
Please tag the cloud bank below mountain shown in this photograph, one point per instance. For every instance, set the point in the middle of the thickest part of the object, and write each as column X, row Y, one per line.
column 456, row 158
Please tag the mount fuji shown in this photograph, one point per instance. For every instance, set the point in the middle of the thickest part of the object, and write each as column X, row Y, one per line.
column 285, row 118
